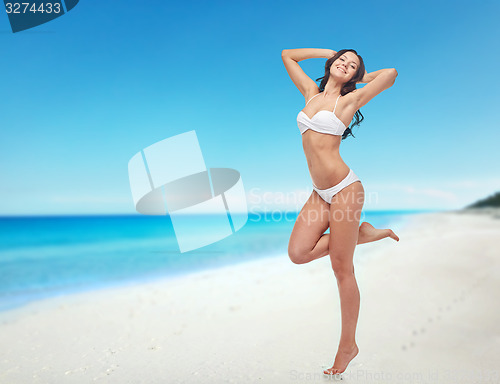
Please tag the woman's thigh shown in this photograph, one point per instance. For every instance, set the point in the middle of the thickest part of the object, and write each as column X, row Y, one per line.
column 345, row 214
column 311, row 224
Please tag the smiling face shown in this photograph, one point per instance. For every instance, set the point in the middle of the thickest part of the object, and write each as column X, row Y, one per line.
column 345, row 67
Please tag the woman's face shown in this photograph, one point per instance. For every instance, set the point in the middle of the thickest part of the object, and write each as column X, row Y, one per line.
column 345, row 67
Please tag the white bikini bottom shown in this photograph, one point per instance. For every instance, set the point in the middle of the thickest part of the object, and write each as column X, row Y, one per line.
column 327, row 194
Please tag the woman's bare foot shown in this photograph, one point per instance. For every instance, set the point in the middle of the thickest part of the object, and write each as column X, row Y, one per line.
column 342, row 360
column 368, row 233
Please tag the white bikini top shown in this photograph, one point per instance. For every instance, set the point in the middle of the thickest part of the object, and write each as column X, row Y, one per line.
column 323, row 121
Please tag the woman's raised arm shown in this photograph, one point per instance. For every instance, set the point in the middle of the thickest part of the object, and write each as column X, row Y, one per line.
column 300, row 54
column 372, row 75
column 382, row 79
column 291, row 57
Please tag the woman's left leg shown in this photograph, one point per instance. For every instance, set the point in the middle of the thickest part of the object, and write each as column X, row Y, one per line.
column 345, row 214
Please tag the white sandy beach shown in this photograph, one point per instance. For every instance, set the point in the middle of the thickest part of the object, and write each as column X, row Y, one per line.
column 429, row 314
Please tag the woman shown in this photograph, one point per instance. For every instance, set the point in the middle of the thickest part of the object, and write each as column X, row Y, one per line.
column 338, row 195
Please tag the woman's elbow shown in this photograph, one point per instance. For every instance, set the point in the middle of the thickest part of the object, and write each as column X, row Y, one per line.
column 392, row 74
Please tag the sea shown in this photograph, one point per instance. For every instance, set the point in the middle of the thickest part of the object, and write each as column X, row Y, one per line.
column 45, row 256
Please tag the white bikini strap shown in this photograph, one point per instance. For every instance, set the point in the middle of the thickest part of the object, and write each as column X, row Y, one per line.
column 313, row 97
column 336, row 104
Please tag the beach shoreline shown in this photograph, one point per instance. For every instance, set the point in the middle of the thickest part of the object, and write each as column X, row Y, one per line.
column 428, row 311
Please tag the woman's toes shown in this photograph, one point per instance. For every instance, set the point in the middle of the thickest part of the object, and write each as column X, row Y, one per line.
column 392, row 235
column 331, row 371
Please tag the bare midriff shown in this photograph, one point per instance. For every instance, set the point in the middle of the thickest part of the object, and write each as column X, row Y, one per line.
column 326, row 167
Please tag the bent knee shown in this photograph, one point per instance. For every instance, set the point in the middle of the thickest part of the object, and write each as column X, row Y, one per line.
column 297, row 255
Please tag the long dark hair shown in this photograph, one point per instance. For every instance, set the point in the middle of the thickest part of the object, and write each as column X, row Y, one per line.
column 347, row 87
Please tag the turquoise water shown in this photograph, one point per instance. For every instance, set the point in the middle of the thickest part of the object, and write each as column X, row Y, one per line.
column 54, row 255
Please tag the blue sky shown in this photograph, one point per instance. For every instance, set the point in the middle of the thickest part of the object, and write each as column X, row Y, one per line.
column 85, row 92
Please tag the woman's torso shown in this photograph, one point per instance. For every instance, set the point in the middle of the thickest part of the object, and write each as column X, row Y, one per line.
column 326, row 166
